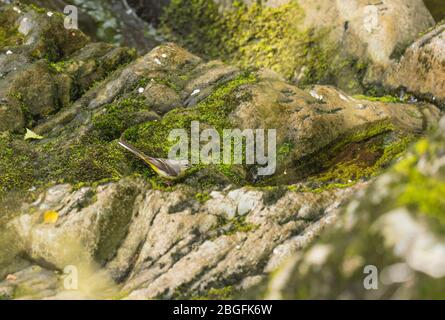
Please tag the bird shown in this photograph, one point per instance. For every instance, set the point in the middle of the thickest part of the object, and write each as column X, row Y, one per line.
column 165, row 168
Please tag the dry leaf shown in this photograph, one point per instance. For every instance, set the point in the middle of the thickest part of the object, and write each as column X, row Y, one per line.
column 50, row 217
column 30, row 135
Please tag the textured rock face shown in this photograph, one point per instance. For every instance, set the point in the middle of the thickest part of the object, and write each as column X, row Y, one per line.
column 112, row 21
column 396, row 227
column 420, row 70
column 75, row 199
column 334, row 42
column 40, row 69
column 166, row 244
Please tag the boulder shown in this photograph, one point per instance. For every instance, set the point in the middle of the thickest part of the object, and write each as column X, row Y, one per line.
column 388, row 242
column 44, row 67
column 421, row 68
column 306, row 41
column 158, row 244
column 112, row 21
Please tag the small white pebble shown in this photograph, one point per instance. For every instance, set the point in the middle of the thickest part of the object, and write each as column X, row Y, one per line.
column 129, row 11
column 343, row 97
column 238, row 247
column 17, row 10
column 49, row 14
column 8, row 52
column 195, row 92
column 141, row 90
column 32, row 189
column 164, row 55
column 157, row 61
column 316, row 95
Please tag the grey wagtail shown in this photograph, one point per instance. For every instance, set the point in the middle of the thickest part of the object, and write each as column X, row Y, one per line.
column 166, row 168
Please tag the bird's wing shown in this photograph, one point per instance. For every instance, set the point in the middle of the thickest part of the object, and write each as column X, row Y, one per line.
column 160, row 164
column 163, row 165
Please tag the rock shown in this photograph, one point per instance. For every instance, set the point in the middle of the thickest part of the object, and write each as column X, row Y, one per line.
column 161, row 97
column 30, row 283
column 341, row 41
column 11, row 119
column 49, row 66
column 421, row 68
column 85, row 22
column 149, row 10
column 129, row 228
column 109, row 21
column 394, row 230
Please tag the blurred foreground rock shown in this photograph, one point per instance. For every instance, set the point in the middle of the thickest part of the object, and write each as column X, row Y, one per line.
column 395, row 229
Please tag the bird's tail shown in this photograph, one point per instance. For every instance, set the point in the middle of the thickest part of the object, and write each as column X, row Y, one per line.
column 132, row 149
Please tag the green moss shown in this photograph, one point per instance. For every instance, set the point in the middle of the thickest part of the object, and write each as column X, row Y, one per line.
column 384, row 99
column 233, row 226
column 273, row 194
column 426, row 195
column 214, row 111
column 348, row 172
column 88, row 161
column 16, row 165
column 422, row 193
column 249, row 36
column 120, row 116
column 226, row 293
column 60, row 66
column 361, row 155
column 202, row 197
column 9, row 34
column 10, row 37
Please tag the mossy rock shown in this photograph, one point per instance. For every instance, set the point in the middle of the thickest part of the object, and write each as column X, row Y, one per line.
column 404, row 205
column 308, row 42
column 249, row 36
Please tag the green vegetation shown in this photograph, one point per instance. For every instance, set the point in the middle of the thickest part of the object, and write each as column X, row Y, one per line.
column 361, row 155
column 202, row 197
column 9, row 35
column 152, row 137
column 226, row 293
column 16, row 165
column 273, row 193
column 230, row 227
column 121, row 115
column 384, row 99
column 249, row 36
column 422, row 193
